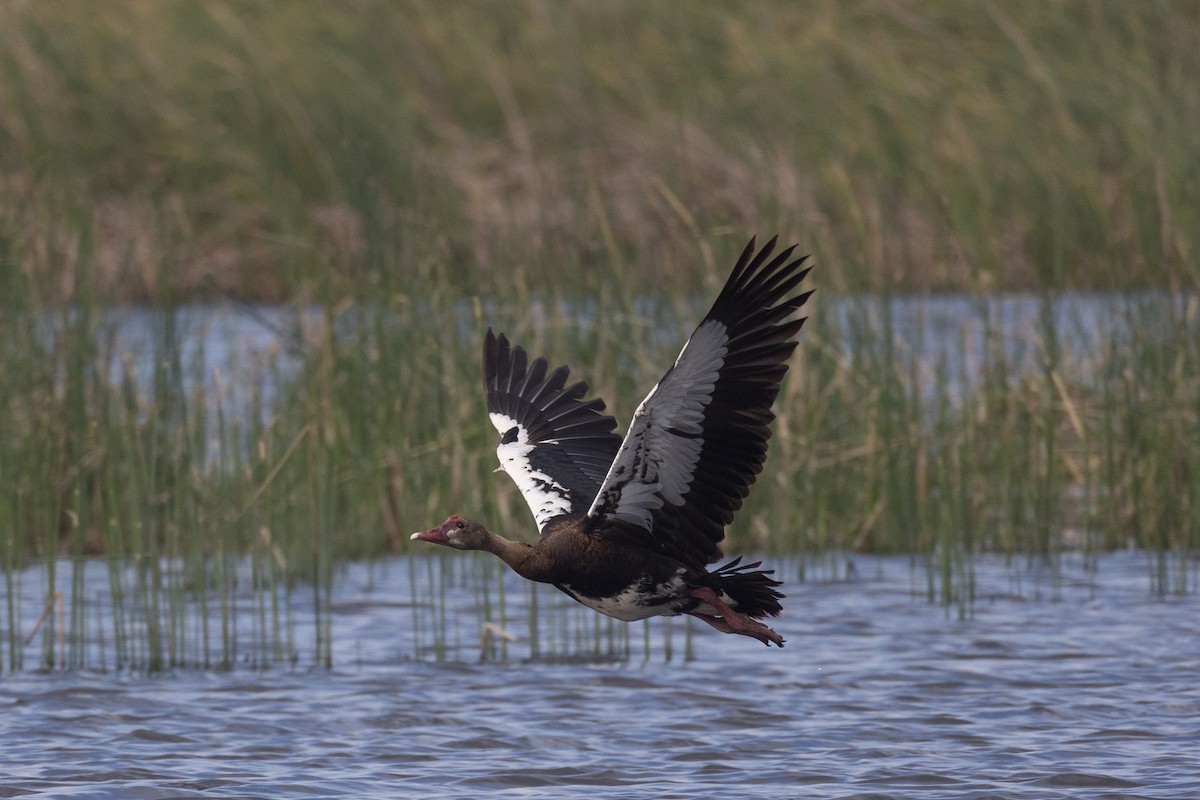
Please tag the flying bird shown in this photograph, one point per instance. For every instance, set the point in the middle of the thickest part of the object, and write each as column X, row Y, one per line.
column 628, row 526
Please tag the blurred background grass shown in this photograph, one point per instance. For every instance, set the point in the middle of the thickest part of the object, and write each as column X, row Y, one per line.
column 179, row 149
column 406, row 173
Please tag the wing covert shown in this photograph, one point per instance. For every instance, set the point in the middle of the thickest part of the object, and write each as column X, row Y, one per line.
column 699, row 439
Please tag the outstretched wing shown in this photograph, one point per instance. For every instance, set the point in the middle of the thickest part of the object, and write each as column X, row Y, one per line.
column 699, row 439
column 555, row 445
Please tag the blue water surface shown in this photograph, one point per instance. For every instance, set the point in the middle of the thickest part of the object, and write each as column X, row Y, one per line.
column 1075, row 682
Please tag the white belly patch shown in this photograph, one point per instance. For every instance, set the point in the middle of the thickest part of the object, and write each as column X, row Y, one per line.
column 637, row 602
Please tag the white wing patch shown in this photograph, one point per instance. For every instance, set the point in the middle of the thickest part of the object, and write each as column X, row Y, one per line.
column 658, row 457
column 547, row 498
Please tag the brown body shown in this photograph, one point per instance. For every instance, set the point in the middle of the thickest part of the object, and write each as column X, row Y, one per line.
column 625, row 582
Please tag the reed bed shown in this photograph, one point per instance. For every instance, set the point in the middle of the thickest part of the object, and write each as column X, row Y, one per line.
column 392, row 178
column 1073, row 428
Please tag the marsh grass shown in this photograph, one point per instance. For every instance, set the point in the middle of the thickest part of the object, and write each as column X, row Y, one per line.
column 1059, row 433
column 133, row 456
column 376, row 146
column 401, row 176
column 1069, row 430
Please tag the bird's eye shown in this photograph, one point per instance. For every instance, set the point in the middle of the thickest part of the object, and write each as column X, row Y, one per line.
column 460, row 525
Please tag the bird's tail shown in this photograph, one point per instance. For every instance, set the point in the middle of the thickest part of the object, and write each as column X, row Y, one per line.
column 752, row 590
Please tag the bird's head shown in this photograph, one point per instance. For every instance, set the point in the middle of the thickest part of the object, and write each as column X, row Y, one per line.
column 456, row 532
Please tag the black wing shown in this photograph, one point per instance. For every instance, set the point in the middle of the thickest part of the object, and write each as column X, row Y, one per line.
column 556, row 446
column 699, row 439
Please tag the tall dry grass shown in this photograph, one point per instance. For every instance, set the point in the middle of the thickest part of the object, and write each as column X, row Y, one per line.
column 375, row 148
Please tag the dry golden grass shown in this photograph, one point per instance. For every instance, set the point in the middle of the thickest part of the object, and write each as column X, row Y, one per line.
column 175, row 150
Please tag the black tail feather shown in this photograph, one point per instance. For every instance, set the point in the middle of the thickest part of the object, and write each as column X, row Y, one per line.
column 752, row 590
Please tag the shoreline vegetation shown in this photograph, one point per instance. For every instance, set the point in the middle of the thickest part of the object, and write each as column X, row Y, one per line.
column 373, row 164
column 164, row 152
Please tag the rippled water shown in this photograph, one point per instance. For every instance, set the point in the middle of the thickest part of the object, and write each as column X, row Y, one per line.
column 1084, row 685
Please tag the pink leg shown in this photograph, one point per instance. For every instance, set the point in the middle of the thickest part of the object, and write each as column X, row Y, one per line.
column 730, row 621
column 716, row 622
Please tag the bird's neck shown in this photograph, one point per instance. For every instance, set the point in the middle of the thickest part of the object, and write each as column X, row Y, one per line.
column 524, row 559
